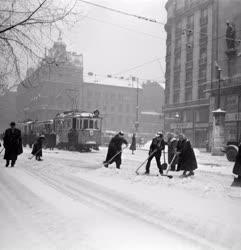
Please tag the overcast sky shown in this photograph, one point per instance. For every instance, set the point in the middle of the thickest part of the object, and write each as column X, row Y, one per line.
column 110, row 49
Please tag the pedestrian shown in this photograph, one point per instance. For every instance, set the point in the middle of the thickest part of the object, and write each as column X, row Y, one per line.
column 237, row 166
column 172, row 149
column 52, row 138
column 115, row 147
column 12, row 142
column 133, row 143
column 37, row 148
column 156, row 147
column 186, row 156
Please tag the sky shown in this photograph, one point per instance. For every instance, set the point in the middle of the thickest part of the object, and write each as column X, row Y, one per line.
column 112, row 43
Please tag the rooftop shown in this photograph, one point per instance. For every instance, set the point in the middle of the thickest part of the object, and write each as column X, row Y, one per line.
column 111, row 81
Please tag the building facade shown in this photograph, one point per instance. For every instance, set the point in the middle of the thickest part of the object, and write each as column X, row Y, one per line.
column 58, row 84
column 53, row 87
column 196, row 42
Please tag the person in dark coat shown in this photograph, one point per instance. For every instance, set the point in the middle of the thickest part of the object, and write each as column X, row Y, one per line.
column 37, row 148
column 12, row 142
column 52, row 138
column 172, row 149
column 115, row 146
column 237, row 165
column 186, row 157
column 157, row 145
column 133, row 143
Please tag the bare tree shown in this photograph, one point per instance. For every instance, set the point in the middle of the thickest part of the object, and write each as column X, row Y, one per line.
column 25, row 29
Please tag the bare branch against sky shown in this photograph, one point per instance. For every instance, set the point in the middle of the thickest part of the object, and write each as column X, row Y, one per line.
column 25, row 29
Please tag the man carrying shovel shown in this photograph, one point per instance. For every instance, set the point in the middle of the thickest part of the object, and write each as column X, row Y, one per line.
column 157, row 145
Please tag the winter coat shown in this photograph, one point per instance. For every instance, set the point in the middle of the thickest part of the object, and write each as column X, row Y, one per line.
column 52, row 138
column 37, row 147
column 115, row 146
column 157, row 144
column 172, row 148
column 12, row 142
column 133, row 143
column 186, row 159
column 237, row 165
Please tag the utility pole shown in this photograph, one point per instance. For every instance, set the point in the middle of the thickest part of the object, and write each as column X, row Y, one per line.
column 137, row 101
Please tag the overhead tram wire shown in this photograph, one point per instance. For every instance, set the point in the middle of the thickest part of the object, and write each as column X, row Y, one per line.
column 123, row 27
column 123, row 12
column 138, row 66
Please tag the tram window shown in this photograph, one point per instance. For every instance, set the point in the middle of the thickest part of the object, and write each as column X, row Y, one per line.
column 85, row 124
column 68, row 123
column 91, row 124
column 96, row 124
column 77, row 124
column 80, row 124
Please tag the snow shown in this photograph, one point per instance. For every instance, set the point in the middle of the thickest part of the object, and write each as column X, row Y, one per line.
column 69, row 201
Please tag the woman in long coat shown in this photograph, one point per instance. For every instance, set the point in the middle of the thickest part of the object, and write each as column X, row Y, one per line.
column 186, row 157
column 237, row 165
column 12, row 142
column 133, row 143
column 115, row 146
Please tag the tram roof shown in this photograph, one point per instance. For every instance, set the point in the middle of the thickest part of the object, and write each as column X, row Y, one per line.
column 69, row 114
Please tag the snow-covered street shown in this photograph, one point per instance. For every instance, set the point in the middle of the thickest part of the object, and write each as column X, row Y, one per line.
column 69, row 201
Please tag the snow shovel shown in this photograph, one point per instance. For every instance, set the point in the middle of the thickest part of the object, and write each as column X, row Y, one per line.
column 31, row 157
column 1, row 150
column 108, row 162
column 164, row 165
column 145, row 161
column 169, row 166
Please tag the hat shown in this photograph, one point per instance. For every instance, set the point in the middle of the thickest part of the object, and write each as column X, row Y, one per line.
column 121, row 133
column 42, row 136
column 159, row 133
column 12, row 124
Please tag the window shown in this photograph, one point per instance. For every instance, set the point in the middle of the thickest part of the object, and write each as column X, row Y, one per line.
column 203, row 73
column 86, row 123
column 232, row 103
column 97, row 124
column 189, row 74
column 188, row 116
column 80, row 124
column 204, row 16
column 176, row 96
column 77, row 124
column 189, row 55
column 202, row 115
column 201, row 91
column 188, row 94
column 177, row 61
column 190, row 21
column 91, row 124
column 176, row 82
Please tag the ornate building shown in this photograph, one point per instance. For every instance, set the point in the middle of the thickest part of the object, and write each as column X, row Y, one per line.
column 58, row 84
column 53, row 87
column 196, row 39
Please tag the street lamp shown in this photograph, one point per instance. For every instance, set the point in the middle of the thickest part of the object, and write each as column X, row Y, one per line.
column 177, row 116
column 219, row 85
